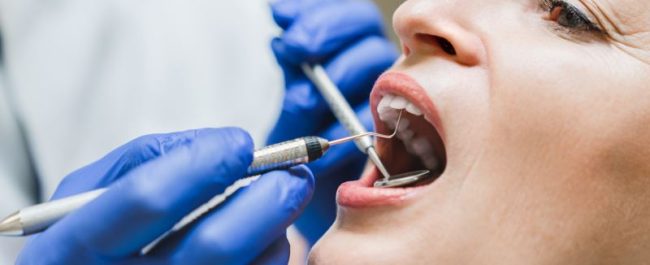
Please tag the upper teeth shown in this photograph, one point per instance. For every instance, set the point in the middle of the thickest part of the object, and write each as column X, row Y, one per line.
column 390, row 105
column 388, row 109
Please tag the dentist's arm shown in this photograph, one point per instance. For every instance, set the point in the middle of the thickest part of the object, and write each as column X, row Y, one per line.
column 154, row 181
column 347, row 37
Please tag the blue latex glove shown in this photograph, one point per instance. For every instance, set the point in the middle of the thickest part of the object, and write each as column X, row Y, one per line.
column 156, row 180
column 347, row 37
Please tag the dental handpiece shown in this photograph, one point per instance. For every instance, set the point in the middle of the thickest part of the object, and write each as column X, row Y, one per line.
column 283, row 155
column 344, row 113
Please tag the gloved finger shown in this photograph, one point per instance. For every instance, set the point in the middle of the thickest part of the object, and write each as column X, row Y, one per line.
column 108, row 169
column 285, row 12
column 321, row 31
column 276, row 254
column 354, row 70
column 150, row 199
column 246, row 224
column 121, row 160
column 304, row 110
column 302, row 105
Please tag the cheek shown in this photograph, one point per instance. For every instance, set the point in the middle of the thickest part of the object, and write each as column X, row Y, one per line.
column 548, row 85
column 461, row 95
column 343, row 247
column 543, row 81
column 554, row 91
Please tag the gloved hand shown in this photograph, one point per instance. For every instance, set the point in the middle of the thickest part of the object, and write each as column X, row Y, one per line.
column 347, row 37
column 156, row 180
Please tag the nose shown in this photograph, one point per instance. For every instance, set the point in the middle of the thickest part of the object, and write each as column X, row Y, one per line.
column 438, row 28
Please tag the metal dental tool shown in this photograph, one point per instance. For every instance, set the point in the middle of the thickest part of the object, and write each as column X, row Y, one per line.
column 283, row 155
column 344, row 113
column 403, row 179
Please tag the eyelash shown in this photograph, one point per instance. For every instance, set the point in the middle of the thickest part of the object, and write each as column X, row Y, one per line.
column 570, row 17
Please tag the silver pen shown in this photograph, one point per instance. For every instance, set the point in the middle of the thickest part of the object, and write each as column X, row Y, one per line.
column 283, row 155
column 344, row 113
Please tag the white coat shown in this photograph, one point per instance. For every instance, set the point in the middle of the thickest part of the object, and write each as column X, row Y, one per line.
column 81, row 77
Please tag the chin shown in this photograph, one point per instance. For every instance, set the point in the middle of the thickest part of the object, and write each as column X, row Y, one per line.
column 343, row 247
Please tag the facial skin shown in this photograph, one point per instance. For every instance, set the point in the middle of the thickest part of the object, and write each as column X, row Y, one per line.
column 547, row 134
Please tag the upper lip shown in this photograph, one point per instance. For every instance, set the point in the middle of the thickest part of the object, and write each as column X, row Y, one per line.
column 403, row 85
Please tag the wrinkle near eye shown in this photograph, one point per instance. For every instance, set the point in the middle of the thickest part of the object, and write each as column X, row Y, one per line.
column 621, row 17
column 627, row 23
column 601, row 15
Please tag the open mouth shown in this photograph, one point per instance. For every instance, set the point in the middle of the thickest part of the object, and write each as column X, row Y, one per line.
column 419, row 143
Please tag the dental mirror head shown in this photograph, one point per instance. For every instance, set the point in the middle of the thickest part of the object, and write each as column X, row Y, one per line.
column 403, row 179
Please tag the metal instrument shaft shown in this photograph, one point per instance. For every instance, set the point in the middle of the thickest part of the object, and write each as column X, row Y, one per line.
column 344, row 113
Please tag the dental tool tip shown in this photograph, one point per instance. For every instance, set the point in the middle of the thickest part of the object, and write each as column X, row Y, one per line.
column 374, row 157
column 10, row 226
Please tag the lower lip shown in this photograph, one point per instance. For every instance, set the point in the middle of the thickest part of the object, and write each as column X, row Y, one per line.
column 361, row 193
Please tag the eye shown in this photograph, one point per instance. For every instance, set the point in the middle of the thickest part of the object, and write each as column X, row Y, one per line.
column 570, row 17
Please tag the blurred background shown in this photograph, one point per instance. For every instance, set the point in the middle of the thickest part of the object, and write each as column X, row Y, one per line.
column 387, row 7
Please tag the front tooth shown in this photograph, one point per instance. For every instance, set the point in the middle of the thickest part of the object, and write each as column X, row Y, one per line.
column 384, row 104
column 399, row 103
column 413, row 109
column 389, row 117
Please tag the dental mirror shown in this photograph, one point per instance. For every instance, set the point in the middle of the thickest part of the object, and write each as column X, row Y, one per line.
column 400, row 180
column 403, row 179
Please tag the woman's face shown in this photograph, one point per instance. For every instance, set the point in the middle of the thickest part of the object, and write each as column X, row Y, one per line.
column 536, row 122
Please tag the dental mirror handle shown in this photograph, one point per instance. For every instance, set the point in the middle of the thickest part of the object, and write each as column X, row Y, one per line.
column 343, row 112
column 340, row 107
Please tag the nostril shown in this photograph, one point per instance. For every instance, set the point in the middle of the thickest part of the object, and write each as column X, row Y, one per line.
column 446, row 46
column 406, row 50
column 441, row 42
